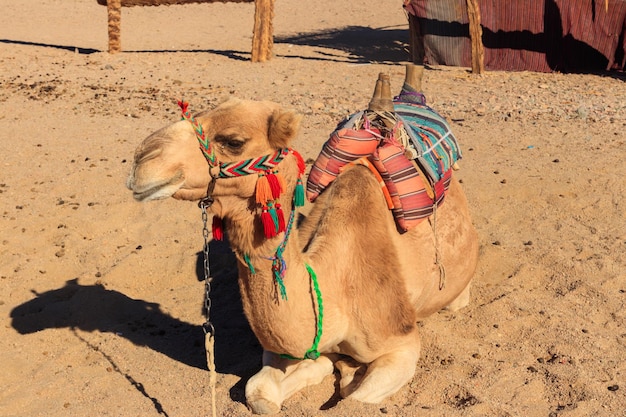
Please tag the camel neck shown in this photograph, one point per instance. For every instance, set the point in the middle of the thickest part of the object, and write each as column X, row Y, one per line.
column 275, row 282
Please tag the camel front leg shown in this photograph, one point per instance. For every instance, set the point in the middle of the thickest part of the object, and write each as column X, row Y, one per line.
column 383, row 377
column 280, row 378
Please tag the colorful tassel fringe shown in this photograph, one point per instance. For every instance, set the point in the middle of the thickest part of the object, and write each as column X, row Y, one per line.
column 269, row 187
column 298, row 197
column 217, row 228
column 269, row 227
column 263, row 190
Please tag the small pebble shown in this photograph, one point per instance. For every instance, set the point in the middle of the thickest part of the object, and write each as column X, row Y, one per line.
column 613, row 387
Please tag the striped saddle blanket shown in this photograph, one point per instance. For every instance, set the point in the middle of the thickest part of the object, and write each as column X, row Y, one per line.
column 413, row 162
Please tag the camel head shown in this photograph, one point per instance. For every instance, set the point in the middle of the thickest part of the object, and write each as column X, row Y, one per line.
column 169, row 162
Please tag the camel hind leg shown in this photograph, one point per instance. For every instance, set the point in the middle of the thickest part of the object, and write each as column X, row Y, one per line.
column 383, row 377
column 280, row 378
column 461, row 301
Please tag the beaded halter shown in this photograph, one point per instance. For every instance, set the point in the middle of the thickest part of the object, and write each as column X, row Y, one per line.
column 270, row 184
column 269, row 187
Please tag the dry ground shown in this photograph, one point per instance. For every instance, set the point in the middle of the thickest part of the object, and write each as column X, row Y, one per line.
column 100, row 296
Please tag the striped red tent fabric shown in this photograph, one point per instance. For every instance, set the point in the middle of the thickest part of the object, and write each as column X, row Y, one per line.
column 537, row 35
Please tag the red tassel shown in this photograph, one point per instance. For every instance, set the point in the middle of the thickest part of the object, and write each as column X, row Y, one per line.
column 281, row 218
column 300, row 160
column 274, row 185
column 263, row 190
column 217, row 229
column 269, row 228
column 183, row 106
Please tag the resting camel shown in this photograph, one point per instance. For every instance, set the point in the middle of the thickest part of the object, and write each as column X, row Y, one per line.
column 353, row 288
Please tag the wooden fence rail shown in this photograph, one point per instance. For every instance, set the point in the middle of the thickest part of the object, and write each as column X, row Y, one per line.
column 263, row 31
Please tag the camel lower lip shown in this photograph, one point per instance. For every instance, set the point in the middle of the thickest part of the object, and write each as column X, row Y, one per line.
column 155, row 190
column 158, row 191
column 145, row 195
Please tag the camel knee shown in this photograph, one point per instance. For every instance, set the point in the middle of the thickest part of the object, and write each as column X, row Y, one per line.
column 384, row 376
column 351, row 373
column 263, row 392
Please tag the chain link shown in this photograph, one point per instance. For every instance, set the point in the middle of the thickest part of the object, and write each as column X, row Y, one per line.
column 204, row 204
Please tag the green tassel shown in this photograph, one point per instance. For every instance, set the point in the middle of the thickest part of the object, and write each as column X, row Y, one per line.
column 298, row 198
column 274, row 214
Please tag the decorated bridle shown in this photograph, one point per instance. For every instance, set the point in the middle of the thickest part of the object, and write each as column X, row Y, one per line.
column 269, row 187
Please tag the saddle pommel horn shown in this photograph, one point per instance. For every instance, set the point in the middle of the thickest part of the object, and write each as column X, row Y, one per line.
column 413, row 78
column 381, row 99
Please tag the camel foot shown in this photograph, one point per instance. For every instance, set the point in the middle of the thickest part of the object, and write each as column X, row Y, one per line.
column 461, row 301
column 263, row 393
column 280, row 378
column 263, row 406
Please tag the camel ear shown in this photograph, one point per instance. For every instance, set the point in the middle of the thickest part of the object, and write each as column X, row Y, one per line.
column 283, row 127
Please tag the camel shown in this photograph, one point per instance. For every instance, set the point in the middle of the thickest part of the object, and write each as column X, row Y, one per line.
column 354, row 286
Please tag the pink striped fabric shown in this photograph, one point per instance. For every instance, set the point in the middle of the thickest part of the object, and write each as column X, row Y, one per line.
column 404, row 187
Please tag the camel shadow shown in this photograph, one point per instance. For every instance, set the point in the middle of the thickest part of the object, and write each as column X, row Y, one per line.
column 364, row 44
column 95, row 308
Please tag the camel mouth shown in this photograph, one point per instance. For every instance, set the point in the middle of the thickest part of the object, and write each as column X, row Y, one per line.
column 155, row 191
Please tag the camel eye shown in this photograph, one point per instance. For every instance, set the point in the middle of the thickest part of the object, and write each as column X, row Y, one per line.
column 230, row 144
column 234, row 145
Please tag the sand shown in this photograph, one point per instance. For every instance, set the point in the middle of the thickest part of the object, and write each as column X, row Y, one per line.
column 101, row 296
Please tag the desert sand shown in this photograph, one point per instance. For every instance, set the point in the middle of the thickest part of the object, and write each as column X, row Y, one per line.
column 101, row 296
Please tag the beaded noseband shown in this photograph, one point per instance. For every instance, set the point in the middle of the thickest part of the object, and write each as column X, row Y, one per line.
column 270, row 184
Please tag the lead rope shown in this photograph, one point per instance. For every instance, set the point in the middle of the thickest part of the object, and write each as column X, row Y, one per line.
column 207, row 327
column 442, row 269
column 209, row 330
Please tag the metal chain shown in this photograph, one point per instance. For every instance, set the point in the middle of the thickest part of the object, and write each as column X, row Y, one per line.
column 207, row 326
column 209, row 330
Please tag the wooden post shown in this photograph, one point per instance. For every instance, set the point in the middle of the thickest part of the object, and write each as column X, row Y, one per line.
column 114, row 10
column 263, row 32
column 476, row 37
column 413, row 77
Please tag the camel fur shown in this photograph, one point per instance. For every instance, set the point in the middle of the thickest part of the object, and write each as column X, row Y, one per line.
column 375, row 282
